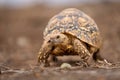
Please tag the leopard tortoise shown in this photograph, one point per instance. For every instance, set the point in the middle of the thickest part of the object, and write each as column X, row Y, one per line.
column 71, row 32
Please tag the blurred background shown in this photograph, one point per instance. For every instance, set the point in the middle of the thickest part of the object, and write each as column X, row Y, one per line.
column 22, row 23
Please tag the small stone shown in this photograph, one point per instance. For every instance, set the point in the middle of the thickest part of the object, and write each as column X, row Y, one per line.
column 65, row 66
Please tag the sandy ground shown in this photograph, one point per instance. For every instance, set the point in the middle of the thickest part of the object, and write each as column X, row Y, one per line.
column 21, row 37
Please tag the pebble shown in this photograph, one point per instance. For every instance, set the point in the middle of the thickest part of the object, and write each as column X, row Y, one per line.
column 65, row 66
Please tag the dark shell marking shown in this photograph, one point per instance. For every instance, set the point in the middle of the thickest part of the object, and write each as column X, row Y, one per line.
column 76, row 23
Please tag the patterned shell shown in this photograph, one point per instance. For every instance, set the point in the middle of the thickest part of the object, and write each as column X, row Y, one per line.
column 76, row 23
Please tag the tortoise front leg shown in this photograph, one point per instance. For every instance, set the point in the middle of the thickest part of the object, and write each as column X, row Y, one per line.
column 82, row 51
column 43, row 59
column 43, row 55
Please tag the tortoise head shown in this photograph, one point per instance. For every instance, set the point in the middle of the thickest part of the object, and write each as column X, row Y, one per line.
column 58, row 39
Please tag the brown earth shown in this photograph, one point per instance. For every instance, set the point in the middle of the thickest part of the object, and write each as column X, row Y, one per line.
column 21, row 38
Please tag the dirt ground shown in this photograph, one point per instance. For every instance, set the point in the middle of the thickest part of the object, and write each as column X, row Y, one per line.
column 21, row 37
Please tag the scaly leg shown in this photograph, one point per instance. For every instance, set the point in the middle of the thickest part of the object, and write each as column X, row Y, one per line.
column 42, row 59
column 82, row 51
column 43, row 56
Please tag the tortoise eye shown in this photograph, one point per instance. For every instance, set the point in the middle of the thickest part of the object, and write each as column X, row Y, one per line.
column 57, row 36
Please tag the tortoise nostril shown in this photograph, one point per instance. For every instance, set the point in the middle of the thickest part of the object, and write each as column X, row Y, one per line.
column 57, row 36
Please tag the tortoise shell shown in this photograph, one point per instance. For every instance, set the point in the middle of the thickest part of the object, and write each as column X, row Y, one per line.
column 76, row 23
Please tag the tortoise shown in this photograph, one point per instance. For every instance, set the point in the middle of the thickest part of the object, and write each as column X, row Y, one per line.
column 72, row 32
